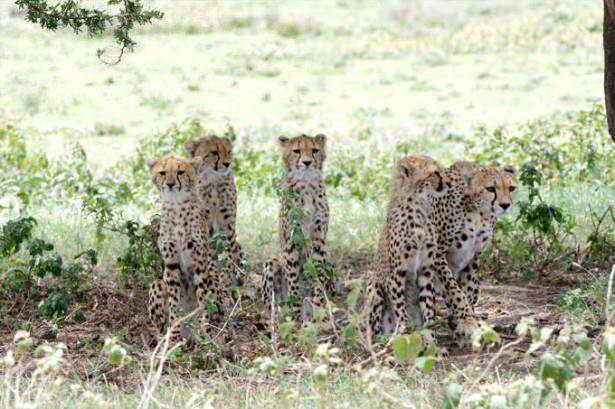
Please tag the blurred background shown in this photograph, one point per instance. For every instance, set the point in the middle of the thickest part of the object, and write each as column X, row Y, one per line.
column 389, row 71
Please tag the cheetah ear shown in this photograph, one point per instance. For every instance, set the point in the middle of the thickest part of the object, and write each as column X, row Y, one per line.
column 509, row 168
column 190, row 147
column 321, row 139
column 405, row 170
column 282, row 140
column 151, row 162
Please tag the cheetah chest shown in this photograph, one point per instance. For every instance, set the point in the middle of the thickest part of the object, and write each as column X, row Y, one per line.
column 215, row 215
column 308, row 216
column 214, row 208
column 184, row 244
column 471, row 241
column 313, row 213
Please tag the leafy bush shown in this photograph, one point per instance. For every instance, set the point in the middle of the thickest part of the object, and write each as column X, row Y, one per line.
column 538, row 236
column 40, row 272
column 141, row 260
column 576, row 147
column 32, row 177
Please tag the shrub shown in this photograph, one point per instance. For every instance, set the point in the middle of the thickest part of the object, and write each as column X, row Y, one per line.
column 572, row 147
column 40, row 272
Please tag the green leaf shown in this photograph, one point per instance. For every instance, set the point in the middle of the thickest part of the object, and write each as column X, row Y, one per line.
column 116, row 355
column 406, row 347
column 557, row 368
column 425, row 363
column 350, row 334
column 452, row 396
column 286, row 331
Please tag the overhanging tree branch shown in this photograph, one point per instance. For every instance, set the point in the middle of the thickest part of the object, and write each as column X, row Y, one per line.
column 70, row 14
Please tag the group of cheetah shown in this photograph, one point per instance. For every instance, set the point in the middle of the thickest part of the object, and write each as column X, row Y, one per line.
column 438, row 223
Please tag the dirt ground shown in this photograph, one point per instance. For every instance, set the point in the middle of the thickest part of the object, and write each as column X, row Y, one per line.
column 110, row 311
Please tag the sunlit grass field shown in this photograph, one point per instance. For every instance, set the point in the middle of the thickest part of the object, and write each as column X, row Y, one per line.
column 380, row 79
column 386, row 71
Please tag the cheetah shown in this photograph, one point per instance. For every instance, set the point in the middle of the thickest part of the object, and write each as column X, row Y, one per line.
column 490, row 195
column 190, row 272
column 448, row 219
column 212, row 156
column 303, row 226
column 410, row 258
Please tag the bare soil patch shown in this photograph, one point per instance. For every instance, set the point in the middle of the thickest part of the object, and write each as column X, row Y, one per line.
column 110, row 311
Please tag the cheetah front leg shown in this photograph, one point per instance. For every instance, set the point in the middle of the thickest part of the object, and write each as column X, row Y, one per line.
column 456, row 300
column 470, row 282
column 273, row 290
column 425, row 283
column 213, row 285
column 291, row 267
column 320, row 257
column 395, row 288
column 374, row 306
column 228, row 210
column 172, row 281
column 158, row 305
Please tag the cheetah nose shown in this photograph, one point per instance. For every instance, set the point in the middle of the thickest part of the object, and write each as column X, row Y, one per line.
column 504, row 205
column 171, row 184
column 307, row 162
column 227, row 164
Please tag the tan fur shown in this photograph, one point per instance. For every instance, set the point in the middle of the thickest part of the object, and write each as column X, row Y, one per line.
column 303, row 196
column 190, row 273
column 490, row 195
column 212, row 157
column 409, row 259
column 445, row 217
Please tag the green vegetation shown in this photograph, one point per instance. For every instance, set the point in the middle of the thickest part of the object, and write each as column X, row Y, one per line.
column 493, row 81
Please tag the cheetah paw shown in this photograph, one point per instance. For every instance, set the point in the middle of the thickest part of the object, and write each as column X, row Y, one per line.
column 465, row 327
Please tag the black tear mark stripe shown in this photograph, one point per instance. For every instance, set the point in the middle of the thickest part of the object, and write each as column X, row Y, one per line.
column 495, row 197
column 217, row 155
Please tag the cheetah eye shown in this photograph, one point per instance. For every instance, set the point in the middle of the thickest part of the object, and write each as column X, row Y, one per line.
column 491, row 189
column 215, row 153
column 512, row 188
column 181, row 172
column 315, row 151
column 297, row 151
column 162, row 173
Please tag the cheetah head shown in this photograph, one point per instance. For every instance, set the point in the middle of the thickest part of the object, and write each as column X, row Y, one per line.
column 210, row 154
column 494, row 188
column 303, row 155
column 422, row 173
column 465, row 169
column 174, row 177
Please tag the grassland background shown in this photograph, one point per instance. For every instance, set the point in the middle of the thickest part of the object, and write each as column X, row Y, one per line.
column 370, row 75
